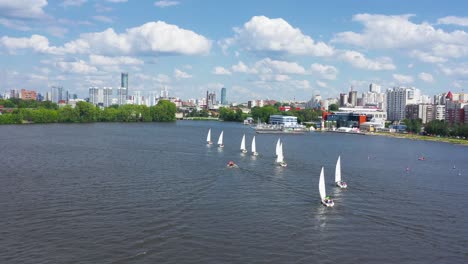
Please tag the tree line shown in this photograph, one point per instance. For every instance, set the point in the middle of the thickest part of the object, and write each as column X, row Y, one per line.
column 21, row 111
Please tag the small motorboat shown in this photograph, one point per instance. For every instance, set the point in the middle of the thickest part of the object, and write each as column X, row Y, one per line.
column 231, row 164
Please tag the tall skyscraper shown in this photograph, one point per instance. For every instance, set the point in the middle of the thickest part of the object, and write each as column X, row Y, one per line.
column 57, row 93
column 94, row 95
column 223, row 96
column 124, row 86
column 397, row 100
column 124, row 80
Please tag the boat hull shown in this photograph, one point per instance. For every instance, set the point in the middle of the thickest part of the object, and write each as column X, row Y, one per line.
column 328, row 204
column 342, row 184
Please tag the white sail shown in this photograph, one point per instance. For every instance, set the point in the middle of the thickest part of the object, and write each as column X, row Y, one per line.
column 280, row 157
column 338, row 170
column 254, row 146
column 242, row 146
column 277, row 146
column 220, row 139
column 322, row 185
column 208, row 137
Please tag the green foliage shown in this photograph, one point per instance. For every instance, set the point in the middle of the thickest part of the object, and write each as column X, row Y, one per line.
column 228, row 114
column 437, row 127
column 263, row 113
column 86, row 112
column 67, row 114
column 333, row 107
column 306, row 115
column 164, row 111
column 201, row 113
column 413, row 125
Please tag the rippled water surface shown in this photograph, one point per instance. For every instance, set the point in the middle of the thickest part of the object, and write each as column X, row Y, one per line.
column 155, row 193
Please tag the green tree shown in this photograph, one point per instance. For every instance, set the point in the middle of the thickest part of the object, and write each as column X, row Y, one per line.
column 86, row 112
column 333, row 107
column 164, row 111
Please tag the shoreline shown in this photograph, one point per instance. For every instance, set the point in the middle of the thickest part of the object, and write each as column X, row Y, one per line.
column 456, row 141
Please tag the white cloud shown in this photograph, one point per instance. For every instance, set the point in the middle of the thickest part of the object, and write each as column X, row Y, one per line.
column 163, row 78
column 240, row 67
column 104, row 19
column 178, row 74
column 426, row 57
column 166, row 3
column 109, row 61
column 324, row 71
column 398, row 32
column 262, row 34
column 148, row 39
column 80, row 67
column 23, row 9
column 460, row 70
column 268, row 65
column 427, row 77
column 35, row 42
column 358, row 60
column 453, row 20
column 403, row 79
column 274, row 77
column 14, row 24
column 221, row 71
column 321, row 84
column 117, row 1
column 68, row 3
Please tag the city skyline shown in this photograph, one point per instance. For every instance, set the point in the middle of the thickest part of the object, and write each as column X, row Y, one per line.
column 289, row 50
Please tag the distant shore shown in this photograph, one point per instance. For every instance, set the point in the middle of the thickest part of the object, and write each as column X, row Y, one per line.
column 419, row 137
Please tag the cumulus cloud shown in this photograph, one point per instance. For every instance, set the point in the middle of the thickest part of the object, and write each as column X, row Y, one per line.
column 453, row 20
column 14, row 24
column 240, row 67
column 321, row 84
column 166, row 3
column 324, row 71
column 398, row 32
column 262, row 34
column 358, row 60
column 153, row 38
column 117, row 1
column 80, row 67
column 426, row 57
column 221, row 71
column 403, row 79
column 178, row 74
column 456, row 70
column 109, row 61
column 27, row 9
column 268, row 65
column 427, row 77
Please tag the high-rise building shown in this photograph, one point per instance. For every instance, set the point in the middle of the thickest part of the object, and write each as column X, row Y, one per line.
column 107, row 96
column 374, row 88
column 28, row 95
column 223, row 96
column 210, row 100
column 343, row 99
column 94, row 95
column 121, row 96
column 397, row 100
column 124, row 85
column 352, row 99
column 56, row 93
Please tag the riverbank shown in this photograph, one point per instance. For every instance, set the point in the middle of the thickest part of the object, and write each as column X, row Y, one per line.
column 420, row 137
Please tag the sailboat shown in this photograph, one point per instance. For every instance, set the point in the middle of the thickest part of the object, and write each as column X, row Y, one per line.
column 338, row 180
column 208, row 137
column 325, row 200
column 242, row 146
column 220, row 140
column 277, row 146
column 280, row 158
column 254, row 147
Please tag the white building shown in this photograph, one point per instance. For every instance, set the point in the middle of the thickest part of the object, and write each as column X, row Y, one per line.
column 397, row 100
column 287, row 121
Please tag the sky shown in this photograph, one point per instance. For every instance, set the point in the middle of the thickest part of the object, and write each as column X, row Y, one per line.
column 257, row 49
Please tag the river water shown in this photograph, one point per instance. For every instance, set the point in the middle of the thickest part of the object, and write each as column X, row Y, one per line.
column 156, row 193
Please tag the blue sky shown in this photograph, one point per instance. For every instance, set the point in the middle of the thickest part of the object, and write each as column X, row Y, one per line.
column 281, row 50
